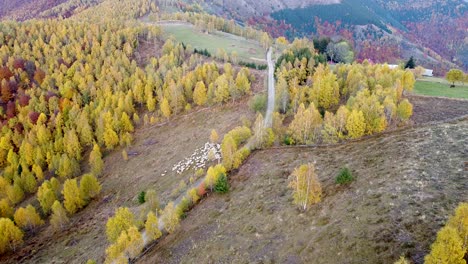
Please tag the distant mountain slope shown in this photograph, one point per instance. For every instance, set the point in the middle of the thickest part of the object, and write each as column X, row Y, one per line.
column 25, row 9
column 248, row 8
column 434, row 31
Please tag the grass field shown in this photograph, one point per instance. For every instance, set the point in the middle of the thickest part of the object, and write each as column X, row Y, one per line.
column 247, row 50
column 440, row 87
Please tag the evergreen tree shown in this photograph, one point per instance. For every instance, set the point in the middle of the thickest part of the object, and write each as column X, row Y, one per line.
column 410, row 63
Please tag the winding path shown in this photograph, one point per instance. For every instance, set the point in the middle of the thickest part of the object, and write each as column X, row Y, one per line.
column 271, row 90
column 148, row 244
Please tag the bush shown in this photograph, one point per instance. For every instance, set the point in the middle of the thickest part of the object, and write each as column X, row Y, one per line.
column 222, row 185
column 344, row 177
column 141, row 197
column 288, row 140
column 258, row 103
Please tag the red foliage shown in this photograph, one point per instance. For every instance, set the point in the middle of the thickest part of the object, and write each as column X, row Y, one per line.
column 24, row 100
column 5, row 73
column 201, row 191
column 33, row 116
column 6, row 93
column 273, row 27
column 39, row 76
column 19, row 63
column 19, row 128
column 11, row 109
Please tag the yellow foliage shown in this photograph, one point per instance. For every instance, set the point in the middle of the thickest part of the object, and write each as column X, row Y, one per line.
column 199, row 94
column 193, row 194
column 170, row 218
column 72, row 199
column 46, row 196
column 5, row 208
column 89, row 186
column 214, row 136
column 121, row 221
column 10, row 235
column 15, row 193
column 27, row 217
column 355, row 124
column 95, row 160
column 152, row 227
column 151, row 200
column 213, row 175
column 306, row 186
column 165, row 108
column 404, row 110
column 447, row 249
column 59, row 218
column 305, row 127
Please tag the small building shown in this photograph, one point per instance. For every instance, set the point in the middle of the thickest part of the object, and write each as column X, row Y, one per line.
column 427, row 72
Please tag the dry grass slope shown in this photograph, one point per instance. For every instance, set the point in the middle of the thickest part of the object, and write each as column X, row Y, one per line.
column 407, row 183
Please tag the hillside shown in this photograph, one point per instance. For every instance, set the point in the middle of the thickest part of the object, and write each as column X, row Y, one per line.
column 151, row 131
column 418, row 28
column 25, row 9
column 389, row 211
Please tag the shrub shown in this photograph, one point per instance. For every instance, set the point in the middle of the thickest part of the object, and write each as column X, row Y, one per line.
column 288, row 140
column 201, row 191
column 141, row 197
column 182, row 207
column 344, row 176
column 258, row 103
column 222, row 185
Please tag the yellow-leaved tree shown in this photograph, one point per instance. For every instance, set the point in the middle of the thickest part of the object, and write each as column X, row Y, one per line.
column 5, row 208
column 451, row 245
column 72, row 199
column 27, row 218
column 10, row 235
column 121, row 221
column 356, row 124
column 89, row 186
column 305, row 128
column 214, row 136
column 165, row 108
column 95, row 160
column 306, row 186
column 170, row 218
column 59, row 218
column 199, row 94
column 46, row 196
column 152, row 227
column 213, row 175
column 404, row 110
